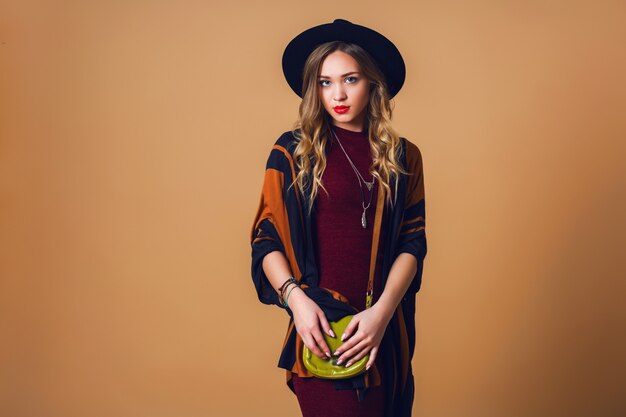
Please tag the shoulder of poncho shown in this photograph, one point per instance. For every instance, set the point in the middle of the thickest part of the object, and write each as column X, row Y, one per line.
column 411, row 150
column 410, row 146
column 281, row 154
column 287, row 140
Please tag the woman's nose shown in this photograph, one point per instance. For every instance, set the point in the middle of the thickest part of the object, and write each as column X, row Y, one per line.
column 339, row 94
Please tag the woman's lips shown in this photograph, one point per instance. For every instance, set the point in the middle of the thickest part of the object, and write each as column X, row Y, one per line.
column 341, row 109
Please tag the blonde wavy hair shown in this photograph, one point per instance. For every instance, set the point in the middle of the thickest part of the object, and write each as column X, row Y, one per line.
column 312, row 128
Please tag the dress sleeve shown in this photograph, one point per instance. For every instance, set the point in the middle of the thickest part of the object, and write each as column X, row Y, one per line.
column 264, row 237
column 412, row 229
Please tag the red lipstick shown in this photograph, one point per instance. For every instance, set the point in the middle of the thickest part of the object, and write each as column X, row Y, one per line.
column 341, row 109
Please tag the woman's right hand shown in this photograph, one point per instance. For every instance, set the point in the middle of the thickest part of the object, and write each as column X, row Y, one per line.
column 308, row 317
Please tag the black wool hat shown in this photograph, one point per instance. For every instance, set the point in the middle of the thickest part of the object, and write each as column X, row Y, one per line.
column 384, row 52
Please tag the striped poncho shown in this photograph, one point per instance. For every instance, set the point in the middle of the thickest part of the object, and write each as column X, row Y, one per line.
column 282, row 223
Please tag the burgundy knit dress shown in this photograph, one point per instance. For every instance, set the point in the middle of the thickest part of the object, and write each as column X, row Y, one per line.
column 343, row 251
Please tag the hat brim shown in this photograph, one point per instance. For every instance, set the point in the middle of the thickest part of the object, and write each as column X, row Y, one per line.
column 382, row 50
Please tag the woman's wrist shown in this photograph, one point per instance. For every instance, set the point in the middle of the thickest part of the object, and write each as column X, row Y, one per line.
column 384, row 309
column 284, row 288
column 294, row 297
column 289, row 289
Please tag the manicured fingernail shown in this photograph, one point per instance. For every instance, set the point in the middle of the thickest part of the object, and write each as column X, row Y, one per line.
column 328, row 355
column 331, row 333
column 348, row 364
column 339, row 361
column 343, row 336
column 368, row 367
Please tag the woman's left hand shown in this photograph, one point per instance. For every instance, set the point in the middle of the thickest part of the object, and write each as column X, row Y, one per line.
column 363, row 334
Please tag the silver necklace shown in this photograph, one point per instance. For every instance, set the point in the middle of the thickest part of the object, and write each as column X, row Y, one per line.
column 360, row 178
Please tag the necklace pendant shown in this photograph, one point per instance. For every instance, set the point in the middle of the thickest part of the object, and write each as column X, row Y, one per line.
column 369, row 185
column 363, row 221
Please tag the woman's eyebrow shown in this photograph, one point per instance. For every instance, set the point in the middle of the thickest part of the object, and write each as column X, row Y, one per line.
column 347, row 73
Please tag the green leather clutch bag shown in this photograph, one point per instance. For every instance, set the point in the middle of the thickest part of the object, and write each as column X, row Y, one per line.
column 328, row 368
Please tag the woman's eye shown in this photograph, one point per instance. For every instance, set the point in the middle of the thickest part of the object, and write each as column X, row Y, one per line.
column 351, row 80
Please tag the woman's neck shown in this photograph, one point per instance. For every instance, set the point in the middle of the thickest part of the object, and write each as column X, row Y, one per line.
column 349, row 132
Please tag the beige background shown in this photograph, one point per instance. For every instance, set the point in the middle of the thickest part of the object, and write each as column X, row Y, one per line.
column 133, row 138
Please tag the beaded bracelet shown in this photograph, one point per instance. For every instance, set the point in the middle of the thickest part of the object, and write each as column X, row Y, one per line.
column 287, row 299
column 281, row 290
column 284, row 287
column 283, row 298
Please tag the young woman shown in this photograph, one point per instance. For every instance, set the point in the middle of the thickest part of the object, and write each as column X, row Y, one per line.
column 340, row 223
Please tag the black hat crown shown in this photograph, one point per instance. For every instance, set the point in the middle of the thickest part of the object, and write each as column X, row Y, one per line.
column 382, row 50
